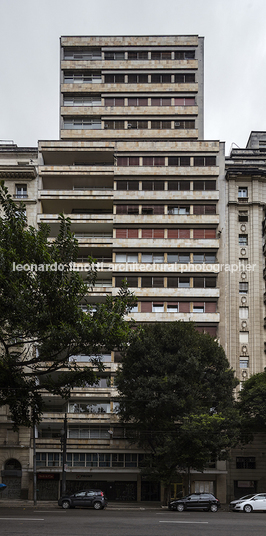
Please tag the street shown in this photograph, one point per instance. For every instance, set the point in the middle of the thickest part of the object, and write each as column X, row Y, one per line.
column 83, row 522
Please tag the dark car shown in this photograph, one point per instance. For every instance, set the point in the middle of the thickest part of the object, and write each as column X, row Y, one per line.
column 195, row 501
column 87, row 497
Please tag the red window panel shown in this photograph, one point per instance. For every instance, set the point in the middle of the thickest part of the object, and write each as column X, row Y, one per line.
column 133, row 161
column 146, row 307
column 210, row 209
column 158, row 233
column 121, row 209
column 159, row 161
column 147, row 233
column 198, row 209
column 122, row 161
column 133, row 233
column 184, row 233
column 184, row 307
column 210, row 307
column 147, row 161
column 212, row 330
column 198, row 233
column 121, row 233
column 210, row 233
column 172, row 233
column 158, row 209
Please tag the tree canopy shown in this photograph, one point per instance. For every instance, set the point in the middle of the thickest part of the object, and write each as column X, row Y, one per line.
column 41, row 321
column 176, row 398
column 252, row 404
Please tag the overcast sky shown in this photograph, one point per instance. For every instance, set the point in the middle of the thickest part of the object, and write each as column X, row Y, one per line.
column 235, row 58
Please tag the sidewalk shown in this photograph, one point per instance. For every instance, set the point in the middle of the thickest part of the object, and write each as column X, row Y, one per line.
column 9, row 503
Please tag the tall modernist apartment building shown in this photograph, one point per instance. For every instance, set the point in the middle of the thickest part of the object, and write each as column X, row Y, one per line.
column 146, row 198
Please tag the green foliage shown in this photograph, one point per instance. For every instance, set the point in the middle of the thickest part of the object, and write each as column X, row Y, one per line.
column 176, row 398
column 252, row 405
column 41, row 322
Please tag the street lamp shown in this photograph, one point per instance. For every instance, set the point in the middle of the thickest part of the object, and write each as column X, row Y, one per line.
column 63, row 449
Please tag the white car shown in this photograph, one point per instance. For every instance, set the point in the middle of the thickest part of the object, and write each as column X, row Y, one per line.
column 247, row 504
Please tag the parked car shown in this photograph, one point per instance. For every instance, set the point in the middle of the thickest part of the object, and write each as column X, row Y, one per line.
column 232, row 503
column 247, row 504
column 88, row 497
column 195, row 501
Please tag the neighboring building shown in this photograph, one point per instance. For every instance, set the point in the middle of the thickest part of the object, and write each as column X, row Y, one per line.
column 245, row 292
column 18, row 169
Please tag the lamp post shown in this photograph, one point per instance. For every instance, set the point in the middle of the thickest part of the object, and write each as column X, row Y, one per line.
column 63, row 449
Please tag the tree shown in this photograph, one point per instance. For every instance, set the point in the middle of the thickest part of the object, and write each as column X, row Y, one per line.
column 176, row 399
column 252, row 405
column 41, row 321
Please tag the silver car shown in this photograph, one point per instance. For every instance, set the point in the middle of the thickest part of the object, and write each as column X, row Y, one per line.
column 249, row 503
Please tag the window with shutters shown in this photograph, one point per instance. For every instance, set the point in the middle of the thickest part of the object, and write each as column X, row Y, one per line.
column 153, row 161
column 179, row 161
column 127, row 185
column 161, row 101
column 152, row 233
column 152, row 209
column 138, row 55
column 161, row 55
column 146, row 307
column 178, row 282
column 131, row 280
column 184, row 307
column 183, row 124
column 125, row 161
column 126, row 233
column 161, row 78
column 185, row 78
column 204, row 209
column 137, row 124
column 179, row 185
column 203, row 161
column 114, row 55
column 204, row 233
column 184, row 101
column 204, row 282
column 184, row 55
column 172, row 307
column 114, row 125
column 153, row 185
column 157, row 307
column 127, row 209
column 178, row 233
column 137, row 101
column 138, row 78
column 114, row 78
column 114, row 101
column 160, row 125
column 204, row 185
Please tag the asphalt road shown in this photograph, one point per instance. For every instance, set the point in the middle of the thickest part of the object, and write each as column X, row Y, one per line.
column 88, row 522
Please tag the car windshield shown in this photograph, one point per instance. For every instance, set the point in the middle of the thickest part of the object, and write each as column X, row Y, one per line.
column 246, row 497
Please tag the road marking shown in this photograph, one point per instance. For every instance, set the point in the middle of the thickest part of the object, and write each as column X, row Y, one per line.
column 197, row 522
column 23, row 518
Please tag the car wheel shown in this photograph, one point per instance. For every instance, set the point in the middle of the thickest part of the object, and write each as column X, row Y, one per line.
column 213, row 508
column 180, row 507
column 97, row 505
column 247, row 508
column 65, row 505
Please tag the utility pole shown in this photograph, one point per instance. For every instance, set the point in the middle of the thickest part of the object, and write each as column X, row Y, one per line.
column 63, row 449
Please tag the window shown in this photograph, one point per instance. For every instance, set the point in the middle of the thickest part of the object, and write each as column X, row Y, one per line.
column 114, row 125
column 199, row 258
column 204, row 282
column 182, row 124
column 77, row 77
column 126, row 257
column 185, row 78
column 243, row 288
column 125, row 161
column 131, row 460
column 127, row 209
column 204, row 185
column 201, row 161
column 152, row 233
column 152, row 257
column 114, row 55
column 82, row 100
column 137, row 125
column 21, row 191
column 152, row 282
column 185, row 55
column 172, row 307
column 242, row 192
column 153, row 185
column 204, row 233
column 161, row 101
column 152, row 209
column 160, row 125
column 179, row 185
column 157, row 307
column 137, row 101
column 114, row 101
column 131, row 280
column 138, row 78
column 243, row 239
column 114, row 78
column 185, row 101
column 179, row 210
column 245, row 462
column 198, row 307
column 161, row 55
column 204, row 209
column 178, row 282
column 178, row 257
column 127, row 185
column 243, row 363
column 243, row 215
column 95, row 408
column 137, row 55
column 161, row 78
column 178, row 233
column 126, row 233
column 179, row 161
column 153, row 161
column 243, row 337
column 82, row 123
column 82, row 53
column 243, row 313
